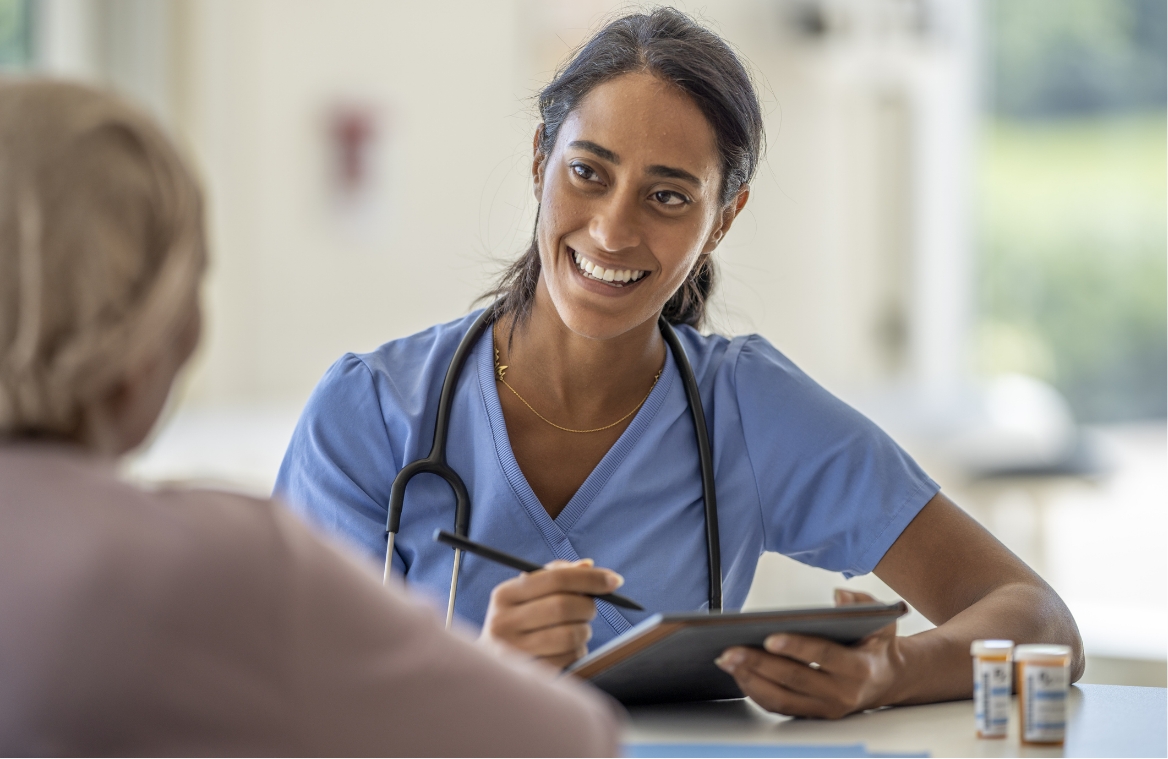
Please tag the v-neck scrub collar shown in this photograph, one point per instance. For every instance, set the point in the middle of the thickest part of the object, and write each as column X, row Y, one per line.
column 555, row 530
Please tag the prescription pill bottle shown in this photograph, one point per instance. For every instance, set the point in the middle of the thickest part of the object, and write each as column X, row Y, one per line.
column 991, row 686
column 1043, row 673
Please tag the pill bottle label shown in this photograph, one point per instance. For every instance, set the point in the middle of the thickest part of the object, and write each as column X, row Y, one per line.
column 991, row 697
column 1044, row 703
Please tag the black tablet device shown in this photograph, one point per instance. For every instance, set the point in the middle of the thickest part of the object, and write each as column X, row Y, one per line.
column 670, row 657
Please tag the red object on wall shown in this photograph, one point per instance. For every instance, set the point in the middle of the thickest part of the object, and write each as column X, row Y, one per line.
column 353, row 130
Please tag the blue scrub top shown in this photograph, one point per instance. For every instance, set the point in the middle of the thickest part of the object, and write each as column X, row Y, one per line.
column 797, row 471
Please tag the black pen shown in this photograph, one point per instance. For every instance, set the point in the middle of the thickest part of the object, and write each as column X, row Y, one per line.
column 507, row 560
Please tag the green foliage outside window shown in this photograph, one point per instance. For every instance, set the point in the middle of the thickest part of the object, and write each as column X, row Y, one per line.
column 1073, row 195
column 15, row 33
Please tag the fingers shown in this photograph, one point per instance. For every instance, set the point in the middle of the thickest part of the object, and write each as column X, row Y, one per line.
column 824, row 654
column 808, row 676
column 569, row 641
column 791, row 675
column 558, row 578
column 560, row 662
column 777, row 699
column 828, row 672
column 783, row 686
column 547, row 611
column 847, row 597
column 555, row 628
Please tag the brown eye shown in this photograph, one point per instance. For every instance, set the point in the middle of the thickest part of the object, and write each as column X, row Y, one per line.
column 584, row 171
column 670, row 198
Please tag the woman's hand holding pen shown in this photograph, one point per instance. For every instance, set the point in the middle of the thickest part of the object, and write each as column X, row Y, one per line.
column 805, row 676
column 545, row 614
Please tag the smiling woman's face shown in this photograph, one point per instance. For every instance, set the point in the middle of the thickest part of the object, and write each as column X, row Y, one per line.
column 629, row 200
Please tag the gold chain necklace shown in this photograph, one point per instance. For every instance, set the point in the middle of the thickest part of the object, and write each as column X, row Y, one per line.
column 501, row 370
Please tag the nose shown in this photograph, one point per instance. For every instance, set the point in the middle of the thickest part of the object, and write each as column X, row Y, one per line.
column 614, row 226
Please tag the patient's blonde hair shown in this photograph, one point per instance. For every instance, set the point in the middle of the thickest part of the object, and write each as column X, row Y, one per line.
column 101, row 253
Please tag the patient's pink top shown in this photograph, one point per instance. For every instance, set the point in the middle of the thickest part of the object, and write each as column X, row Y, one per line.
column 199, row 622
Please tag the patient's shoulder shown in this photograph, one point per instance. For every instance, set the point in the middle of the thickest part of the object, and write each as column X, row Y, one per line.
column 69, row 520
column 185, row 603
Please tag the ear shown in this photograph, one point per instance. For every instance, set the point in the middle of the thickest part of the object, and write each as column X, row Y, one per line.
column 538, row 161
column 112, row 421
column 129, row 409
column 726, row 218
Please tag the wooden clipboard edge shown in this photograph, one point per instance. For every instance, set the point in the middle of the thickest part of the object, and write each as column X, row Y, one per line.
column 640, row 643
column 667, row 628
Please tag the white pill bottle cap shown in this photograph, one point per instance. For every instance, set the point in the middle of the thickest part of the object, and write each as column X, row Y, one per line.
column 1041, row 651
column 993, row 648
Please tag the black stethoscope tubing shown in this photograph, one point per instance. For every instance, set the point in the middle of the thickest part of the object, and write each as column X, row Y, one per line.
column 435, row 461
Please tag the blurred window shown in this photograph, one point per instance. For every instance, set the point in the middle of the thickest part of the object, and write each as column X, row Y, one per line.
column 1072, row 201
column 15, row 34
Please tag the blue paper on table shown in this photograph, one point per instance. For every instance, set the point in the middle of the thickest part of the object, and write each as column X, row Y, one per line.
column 749, row 750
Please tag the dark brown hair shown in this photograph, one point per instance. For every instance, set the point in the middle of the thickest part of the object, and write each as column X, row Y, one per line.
column 673, row 47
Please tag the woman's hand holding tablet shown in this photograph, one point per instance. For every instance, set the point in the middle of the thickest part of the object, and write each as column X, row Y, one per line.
column 815, row 677
column 671, row 657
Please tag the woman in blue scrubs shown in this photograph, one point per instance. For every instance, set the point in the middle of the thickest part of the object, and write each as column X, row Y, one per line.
column 571, row 429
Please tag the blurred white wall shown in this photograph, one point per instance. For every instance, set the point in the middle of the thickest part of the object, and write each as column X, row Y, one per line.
column 292, row 287
column 851, row 256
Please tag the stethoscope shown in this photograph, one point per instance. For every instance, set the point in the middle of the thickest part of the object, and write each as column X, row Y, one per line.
column 435, row 462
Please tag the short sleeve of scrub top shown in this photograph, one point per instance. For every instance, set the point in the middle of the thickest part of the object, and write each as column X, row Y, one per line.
column 797, row 471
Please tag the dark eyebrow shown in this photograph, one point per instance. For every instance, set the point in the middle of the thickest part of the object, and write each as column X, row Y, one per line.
column 595, row 149
column 671, row 173
column 668, row 172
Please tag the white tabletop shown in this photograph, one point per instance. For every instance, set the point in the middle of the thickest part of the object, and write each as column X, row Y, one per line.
column 1103, row 720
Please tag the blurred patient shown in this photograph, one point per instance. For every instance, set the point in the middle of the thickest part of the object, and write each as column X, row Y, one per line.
column 185, row 621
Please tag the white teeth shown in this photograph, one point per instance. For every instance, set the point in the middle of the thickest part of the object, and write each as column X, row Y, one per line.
column 596, row 271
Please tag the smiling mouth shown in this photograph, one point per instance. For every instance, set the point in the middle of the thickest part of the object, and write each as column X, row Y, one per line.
column 614, row 277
